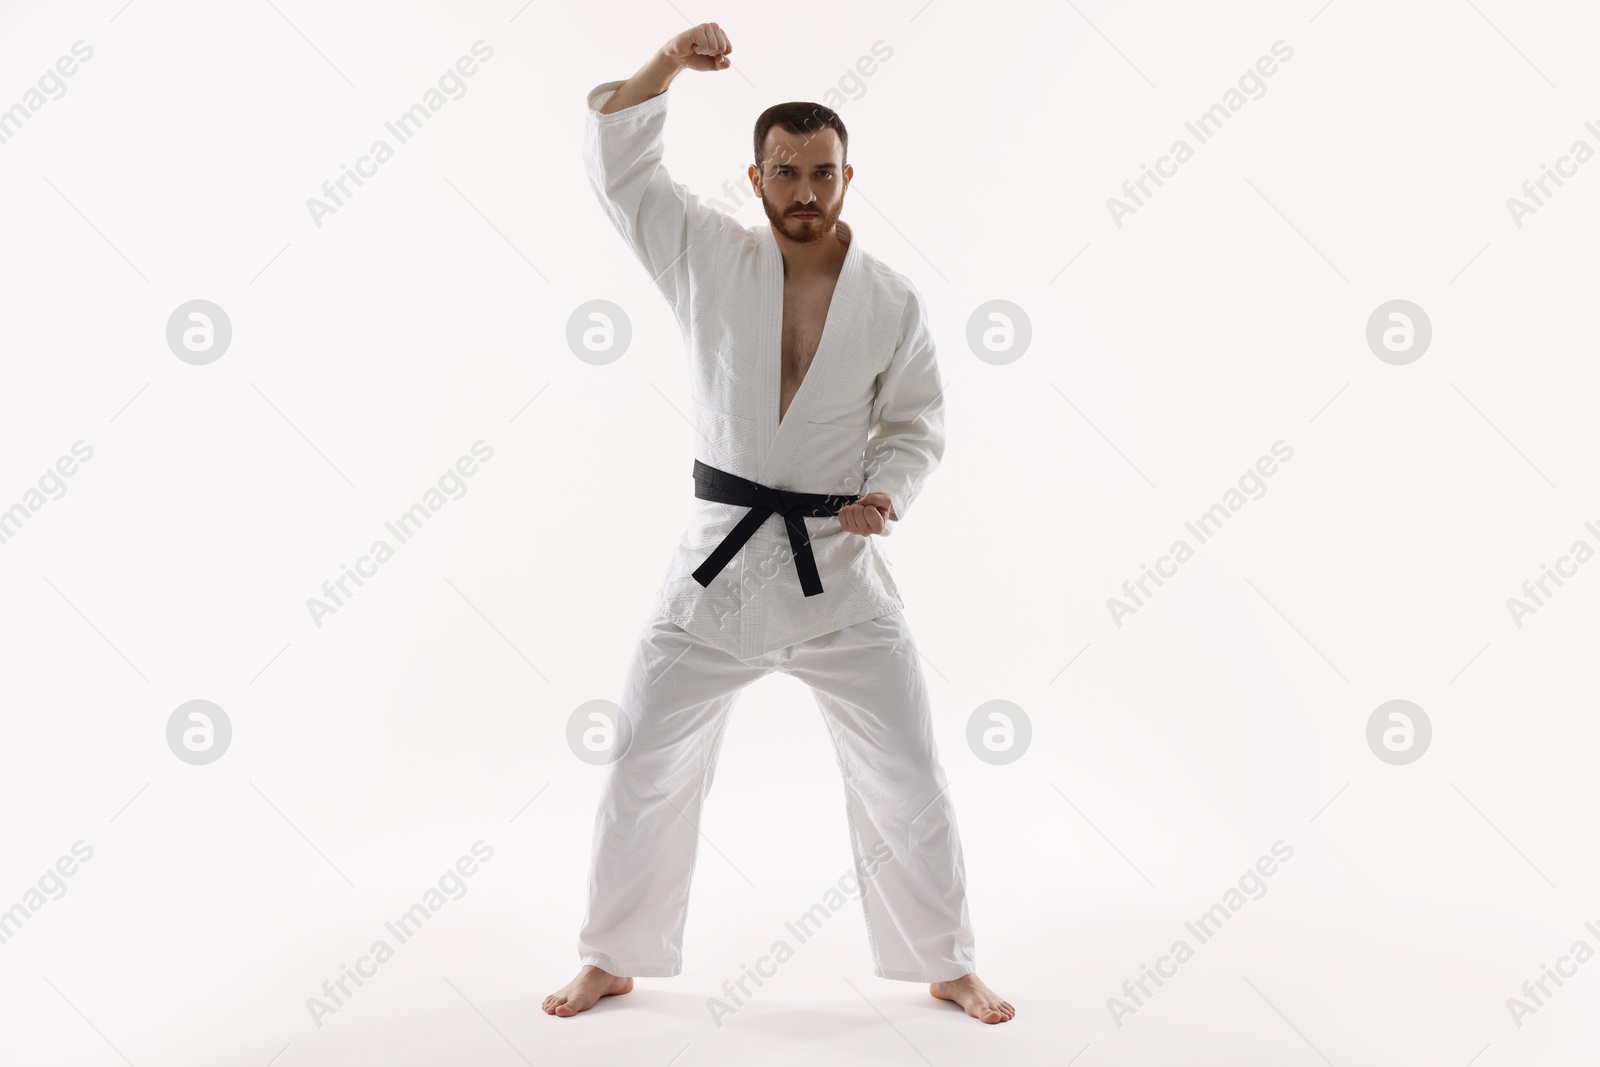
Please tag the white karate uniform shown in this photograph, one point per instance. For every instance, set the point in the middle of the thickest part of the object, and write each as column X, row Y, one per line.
column 676, row 698
column 868, row 417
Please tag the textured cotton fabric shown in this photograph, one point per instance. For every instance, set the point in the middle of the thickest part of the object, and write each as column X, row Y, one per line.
column 868, row 416
column 676, row 701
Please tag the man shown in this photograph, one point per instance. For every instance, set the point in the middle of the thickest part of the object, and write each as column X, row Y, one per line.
column 818, row 417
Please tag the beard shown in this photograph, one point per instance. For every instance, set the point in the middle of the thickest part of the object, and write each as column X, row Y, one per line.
column 799, row 230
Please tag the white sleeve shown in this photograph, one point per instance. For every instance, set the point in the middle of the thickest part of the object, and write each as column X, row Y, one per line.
column 906, row 434
column 664, row 224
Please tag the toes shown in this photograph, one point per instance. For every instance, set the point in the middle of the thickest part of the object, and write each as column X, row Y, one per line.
column 1000, row 1010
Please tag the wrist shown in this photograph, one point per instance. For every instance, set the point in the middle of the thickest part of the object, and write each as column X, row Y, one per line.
column 664, row 66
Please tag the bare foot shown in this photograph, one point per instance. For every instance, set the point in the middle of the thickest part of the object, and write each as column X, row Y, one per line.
column 581, row 993
column 977, row 999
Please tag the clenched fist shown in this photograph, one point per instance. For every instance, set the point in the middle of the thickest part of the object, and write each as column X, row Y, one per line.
column 867, row 515
column 702, row 47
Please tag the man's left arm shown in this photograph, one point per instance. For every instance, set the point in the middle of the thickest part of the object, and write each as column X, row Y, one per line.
column 906, row 439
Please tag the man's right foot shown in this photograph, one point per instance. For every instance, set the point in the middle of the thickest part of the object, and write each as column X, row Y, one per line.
column 581, row 993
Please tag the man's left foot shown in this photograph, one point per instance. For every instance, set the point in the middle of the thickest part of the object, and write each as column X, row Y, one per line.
column 977, row 999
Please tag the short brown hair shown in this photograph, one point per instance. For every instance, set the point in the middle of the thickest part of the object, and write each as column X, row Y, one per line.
column 800, row 116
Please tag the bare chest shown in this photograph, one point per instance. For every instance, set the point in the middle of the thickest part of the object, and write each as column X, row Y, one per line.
column 805, row 313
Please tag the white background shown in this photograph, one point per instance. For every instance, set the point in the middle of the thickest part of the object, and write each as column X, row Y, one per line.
column 1168, row 355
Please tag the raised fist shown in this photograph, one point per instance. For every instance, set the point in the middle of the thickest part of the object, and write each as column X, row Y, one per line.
column 702, row 47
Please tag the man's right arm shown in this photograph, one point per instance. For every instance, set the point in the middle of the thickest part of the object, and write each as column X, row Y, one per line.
column 650, row 80
column 702, row 47
column 623, row 148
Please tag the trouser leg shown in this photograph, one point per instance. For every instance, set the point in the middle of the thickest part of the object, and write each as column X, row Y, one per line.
column 676, row 696
column 868, row 682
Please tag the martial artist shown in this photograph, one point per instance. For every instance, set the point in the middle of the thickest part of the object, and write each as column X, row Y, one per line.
column 818, row 416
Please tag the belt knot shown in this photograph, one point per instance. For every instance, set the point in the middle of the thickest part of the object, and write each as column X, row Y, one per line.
column 763, row 501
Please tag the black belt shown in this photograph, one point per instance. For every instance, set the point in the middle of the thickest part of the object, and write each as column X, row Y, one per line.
column 763, row 502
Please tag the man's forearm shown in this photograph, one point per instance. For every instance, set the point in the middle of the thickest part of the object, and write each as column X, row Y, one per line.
column 650, row 80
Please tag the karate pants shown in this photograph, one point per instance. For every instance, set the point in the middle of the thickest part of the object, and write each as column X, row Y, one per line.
column 677, row 694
